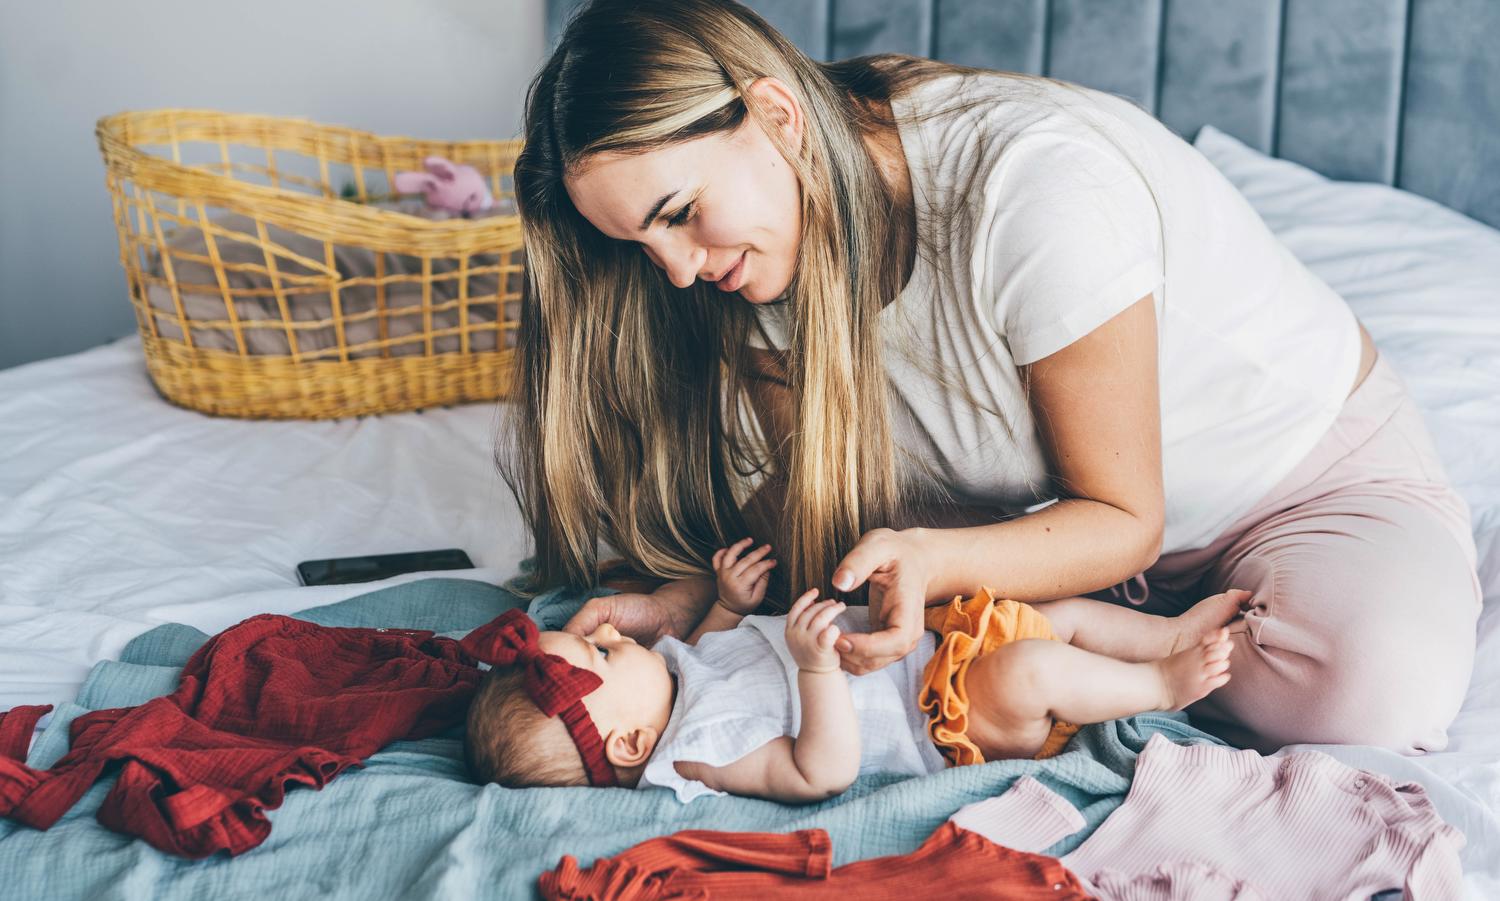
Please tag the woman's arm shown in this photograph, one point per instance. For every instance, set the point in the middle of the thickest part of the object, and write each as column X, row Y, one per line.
column 1098, row 412
column 771, row 401
column 1097, row 407
column 1073, row 547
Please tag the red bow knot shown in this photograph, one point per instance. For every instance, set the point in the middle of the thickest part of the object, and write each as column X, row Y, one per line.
column 556, row 686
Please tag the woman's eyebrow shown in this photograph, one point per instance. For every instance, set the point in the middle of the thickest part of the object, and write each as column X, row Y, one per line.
column 651, row 216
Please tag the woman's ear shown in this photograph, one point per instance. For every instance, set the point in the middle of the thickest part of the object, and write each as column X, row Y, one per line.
column 627, row 748
column 783, row 107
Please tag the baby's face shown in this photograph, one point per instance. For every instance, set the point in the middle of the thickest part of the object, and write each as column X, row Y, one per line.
column 637, row 685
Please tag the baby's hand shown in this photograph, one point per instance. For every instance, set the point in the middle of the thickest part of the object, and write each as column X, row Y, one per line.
column 742, row 580
column 810, row 632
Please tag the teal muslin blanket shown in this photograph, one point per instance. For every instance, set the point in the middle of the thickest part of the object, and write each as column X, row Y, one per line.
column 410, row 824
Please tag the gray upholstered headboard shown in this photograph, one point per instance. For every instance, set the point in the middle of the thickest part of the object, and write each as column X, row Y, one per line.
column 1403, row 92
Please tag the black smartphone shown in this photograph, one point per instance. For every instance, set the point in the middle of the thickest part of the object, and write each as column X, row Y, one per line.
column 345, row 570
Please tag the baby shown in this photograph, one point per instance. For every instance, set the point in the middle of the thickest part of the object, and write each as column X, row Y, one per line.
column 758, row 705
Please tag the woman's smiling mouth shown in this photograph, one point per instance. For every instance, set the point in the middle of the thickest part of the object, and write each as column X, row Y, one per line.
column 731, row 280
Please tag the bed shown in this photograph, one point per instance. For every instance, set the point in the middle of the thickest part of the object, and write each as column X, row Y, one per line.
column 120, row 512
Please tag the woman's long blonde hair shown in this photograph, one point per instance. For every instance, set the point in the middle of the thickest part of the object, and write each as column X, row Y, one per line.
column 627, row 417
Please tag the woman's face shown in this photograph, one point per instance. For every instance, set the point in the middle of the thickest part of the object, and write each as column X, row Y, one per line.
column 700, row 208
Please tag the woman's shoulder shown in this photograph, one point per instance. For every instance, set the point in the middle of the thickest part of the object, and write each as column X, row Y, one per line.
column 1038, row 199
column 996, row 147
column 990, row 121
column 1008, row 103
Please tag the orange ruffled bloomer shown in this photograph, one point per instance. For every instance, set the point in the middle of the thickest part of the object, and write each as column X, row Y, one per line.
column 971, row 627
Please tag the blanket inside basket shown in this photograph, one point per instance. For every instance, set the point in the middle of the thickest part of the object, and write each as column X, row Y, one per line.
column 369, row 315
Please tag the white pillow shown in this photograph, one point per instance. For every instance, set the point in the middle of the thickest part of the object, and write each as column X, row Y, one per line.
column 1425, row 281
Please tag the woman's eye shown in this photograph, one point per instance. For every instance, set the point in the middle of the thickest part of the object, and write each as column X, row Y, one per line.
column 603, row 650
column 682, row 216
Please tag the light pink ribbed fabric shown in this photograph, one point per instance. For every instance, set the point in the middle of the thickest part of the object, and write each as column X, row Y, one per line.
column 1210, row 822
column 1361, row 627
column 1043, row 816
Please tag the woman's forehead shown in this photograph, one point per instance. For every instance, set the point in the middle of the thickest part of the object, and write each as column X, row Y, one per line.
column 620, row 193
column 613, row 169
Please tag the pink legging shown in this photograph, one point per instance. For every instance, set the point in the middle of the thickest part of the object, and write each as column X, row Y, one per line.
column 1362, row 565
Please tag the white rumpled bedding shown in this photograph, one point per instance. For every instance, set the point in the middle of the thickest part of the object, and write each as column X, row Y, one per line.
column 119, row 512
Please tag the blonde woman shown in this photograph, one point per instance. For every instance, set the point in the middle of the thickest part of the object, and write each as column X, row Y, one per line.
column 991, row 330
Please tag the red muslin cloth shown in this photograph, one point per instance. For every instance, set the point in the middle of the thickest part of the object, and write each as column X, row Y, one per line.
column 267, row 704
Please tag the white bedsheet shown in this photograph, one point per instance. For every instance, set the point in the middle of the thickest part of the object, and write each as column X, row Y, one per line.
column 119, row 512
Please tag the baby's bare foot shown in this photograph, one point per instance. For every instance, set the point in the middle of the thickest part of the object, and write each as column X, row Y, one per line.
column 1190, row 675
column 1204, row 617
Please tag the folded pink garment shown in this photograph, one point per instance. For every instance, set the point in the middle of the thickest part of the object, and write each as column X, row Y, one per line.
column 1210, row 822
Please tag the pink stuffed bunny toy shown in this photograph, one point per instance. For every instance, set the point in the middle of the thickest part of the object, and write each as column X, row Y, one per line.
column 447, row 186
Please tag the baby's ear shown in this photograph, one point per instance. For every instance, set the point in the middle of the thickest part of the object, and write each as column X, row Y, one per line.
column 626, row 748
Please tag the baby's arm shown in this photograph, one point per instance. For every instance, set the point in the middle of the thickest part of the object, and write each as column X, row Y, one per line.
column 719, row 619
column 823, row 759
column 741, row 583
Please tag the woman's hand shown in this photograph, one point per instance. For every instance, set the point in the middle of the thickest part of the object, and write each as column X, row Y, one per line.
column 896, row 566
column 644, row 617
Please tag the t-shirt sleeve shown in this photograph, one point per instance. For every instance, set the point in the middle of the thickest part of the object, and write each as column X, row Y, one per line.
column 1071, row 235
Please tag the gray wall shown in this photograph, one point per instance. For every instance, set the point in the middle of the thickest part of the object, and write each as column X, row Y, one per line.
column 444, row 69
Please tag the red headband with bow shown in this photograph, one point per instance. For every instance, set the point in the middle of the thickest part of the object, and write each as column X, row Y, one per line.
column 557, row 686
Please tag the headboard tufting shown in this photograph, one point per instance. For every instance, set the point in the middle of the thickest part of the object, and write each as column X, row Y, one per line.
column 1402, row 92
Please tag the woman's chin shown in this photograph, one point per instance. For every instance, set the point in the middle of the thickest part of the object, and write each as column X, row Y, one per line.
column 751, row 295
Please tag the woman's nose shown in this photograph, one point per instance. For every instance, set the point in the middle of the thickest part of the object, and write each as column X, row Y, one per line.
column 682, row 264
column 684, row 275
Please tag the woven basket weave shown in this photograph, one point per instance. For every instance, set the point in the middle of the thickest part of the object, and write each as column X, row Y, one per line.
column 274, row 274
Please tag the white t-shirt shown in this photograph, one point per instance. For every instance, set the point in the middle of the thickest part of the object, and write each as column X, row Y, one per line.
column 737, row 690
column 1045, row 230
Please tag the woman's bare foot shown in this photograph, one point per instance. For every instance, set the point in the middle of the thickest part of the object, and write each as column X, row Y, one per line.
column 1189, row 675
column 1204, row 617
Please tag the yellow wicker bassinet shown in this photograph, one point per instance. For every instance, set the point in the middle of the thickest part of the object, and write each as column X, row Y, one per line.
column 274, row 273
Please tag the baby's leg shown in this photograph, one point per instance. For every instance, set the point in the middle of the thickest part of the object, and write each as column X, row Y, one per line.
column 1017, row 690
column 1127, row 634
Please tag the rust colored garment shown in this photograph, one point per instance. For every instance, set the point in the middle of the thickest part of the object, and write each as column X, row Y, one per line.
column 757, row 866
column 970, row 628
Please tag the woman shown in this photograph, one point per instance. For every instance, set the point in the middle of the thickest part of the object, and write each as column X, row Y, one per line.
column 995, row 330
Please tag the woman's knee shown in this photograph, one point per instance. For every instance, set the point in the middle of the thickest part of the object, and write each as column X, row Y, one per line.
column 1386, row 689
column 1393, row 682
column 1361, row 646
